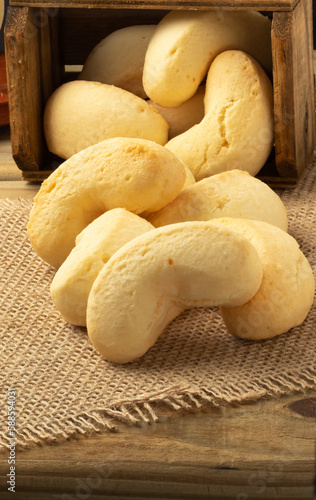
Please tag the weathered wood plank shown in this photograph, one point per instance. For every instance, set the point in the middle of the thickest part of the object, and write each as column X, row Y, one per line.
column 15, row 189
column 11, row 184
column 35, row 176
column 293, row 82
column 250, row 451
column 164, row 4
column 52, row 65
column 34, row 71
column 24, row 85
column 8, row 169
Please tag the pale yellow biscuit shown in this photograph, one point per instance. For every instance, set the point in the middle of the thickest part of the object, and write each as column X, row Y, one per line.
column 135, row 174
column 149, row 281
column 72, row 283
column 189, row 180
column 186, row 42
column 287, row 289
column 80, row 113
column 230, row 194
column 237, row 130
column 119, row 59
column 186, row 115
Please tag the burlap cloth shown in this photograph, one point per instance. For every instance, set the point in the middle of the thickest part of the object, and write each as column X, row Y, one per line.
column 63, row 386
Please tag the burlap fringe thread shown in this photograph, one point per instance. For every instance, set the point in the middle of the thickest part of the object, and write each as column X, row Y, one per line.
column 143, row 411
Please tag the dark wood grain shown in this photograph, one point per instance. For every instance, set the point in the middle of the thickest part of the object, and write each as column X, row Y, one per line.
column 305, row 407
column 164, row 4
column 33, row 71
column 24, row 86
column 293, row 83
column 253, row 451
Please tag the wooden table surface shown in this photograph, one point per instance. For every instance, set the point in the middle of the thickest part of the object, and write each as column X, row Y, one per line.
column 264, row 450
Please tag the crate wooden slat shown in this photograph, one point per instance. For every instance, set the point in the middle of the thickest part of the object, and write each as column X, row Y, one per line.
column 41, row 41
column 32, row 72
column 271, row 5
column 25, row 127
column 293, row 89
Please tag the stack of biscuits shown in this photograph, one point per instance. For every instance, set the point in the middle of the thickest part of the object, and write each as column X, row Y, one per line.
column 156, row 208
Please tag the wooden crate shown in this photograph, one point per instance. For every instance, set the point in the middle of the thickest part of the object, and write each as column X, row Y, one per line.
column 43, row 37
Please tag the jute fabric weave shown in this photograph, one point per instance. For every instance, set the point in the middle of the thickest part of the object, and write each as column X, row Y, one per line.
column 63, row 386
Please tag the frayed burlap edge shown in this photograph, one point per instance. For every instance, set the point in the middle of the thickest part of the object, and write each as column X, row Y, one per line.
column 146, row 410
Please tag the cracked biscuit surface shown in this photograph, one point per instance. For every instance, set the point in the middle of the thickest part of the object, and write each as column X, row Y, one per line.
column 237, row 130
column 135, row 174
column 230, row 194
column 186, row 42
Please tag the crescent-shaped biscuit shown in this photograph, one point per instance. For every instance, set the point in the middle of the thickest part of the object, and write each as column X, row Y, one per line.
column 119, row 59
column 80, row 113
column 72, row 282
column 237, row 130
column 186, row 42
column 135, row 174
column 230, row 194
column 161, row 273
column 287, row 289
